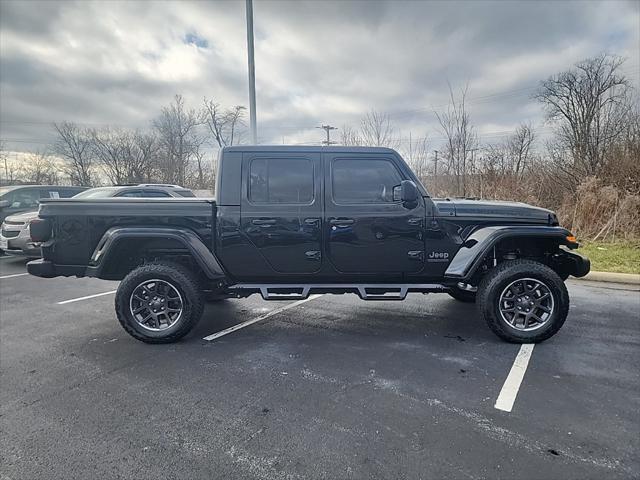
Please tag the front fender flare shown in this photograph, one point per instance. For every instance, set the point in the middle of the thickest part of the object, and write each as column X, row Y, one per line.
column 475, row 248
column 210, row 265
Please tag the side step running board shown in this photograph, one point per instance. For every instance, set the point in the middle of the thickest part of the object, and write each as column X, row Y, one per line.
column 364, row 291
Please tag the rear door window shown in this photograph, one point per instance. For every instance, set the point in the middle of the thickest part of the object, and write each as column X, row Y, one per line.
column 154, row 194
column 51, row 193
column 281, row 180
column 130, row 194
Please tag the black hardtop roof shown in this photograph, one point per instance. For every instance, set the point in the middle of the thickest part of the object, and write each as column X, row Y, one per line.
column 307, row 149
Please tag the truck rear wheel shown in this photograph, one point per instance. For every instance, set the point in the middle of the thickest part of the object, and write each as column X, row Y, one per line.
column 159, row 302
column 523, row 301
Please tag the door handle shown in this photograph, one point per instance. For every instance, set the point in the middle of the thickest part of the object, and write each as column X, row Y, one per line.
column 341, row 221
column 264, row 221
column 313, row 255
column 416, row 255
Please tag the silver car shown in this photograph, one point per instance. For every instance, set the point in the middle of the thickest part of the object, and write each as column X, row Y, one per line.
column 15, row 238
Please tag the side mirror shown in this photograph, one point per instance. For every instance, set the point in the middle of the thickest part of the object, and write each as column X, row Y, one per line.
column 406, row 192
column 410, row 192
column 4, row 204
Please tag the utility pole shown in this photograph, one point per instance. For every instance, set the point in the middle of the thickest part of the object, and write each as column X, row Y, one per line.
column 252, row 74
column 328, row 128
column 473, row 169
column 435, row 165
column 435, row 173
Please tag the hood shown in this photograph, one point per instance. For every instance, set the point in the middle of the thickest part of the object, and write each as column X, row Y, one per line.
column 23, row 217
column 494, row 209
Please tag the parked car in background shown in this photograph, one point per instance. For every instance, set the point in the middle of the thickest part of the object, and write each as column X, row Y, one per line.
column 23, row 198
column 15, row 237
column 143, row 190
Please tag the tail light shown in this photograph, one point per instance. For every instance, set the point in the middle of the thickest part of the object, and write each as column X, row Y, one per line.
column 40, row 230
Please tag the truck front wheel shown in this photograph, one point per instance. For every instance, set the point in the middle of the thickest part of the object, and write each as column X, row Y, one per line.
column 159, row 302
column 523, row 301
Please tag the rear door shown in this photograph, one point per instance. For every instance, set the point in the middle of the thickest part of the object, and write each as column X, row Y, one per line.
column 281, row 212
column 367, row 230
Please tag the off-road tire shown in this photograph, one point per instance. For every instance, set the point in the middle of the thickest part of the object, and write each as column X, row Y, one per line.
column 462, row 295
column 494, row 283
column 181, row 278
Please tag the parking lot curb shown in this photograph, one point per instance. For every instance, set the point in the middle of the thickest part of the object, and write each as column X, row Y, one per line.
column 628, row 278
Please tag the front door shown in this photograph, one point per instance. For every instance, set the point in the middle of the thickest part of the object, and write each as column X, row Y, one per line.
column 281, row 212
column 367, row 230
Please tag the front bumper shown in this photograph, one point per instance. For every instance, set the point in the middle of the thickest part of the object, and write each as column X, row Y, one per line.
column 577, row 265
column 19, row 244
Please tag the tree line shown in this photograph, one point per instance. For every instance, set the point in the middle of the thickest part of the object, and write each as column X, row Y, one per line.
column 588, row 169
column 178, row 148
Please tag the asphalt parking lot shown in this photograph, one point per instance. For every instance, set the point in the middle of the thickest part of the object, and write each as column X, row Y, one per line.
column 329, row 388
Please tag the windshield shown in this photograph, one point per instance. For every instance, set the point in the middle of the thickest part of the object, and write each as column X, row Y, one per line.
column 102, row 192
column 5, row 190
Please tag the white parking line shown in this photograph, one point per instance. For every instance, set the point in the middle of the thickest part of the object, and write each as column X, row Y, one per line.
column 86, row 298
column 229, row 330
column 511, row 385
column 14, row 275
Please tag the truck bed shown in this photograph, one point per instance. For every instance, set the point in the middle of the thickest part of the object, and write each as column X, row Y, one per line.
column 78, row 225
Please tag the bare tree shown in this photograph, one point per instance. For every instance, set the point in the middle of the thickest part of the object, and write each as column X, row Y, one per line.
column 349, row 136
column 107, row 145
column 74, row 146
column 11, row 171
column 4, row 157
column 125, row 156
column 176, row 128
column 590, row 104
column 519, row 147
column 224, row 124
column 461, row 140
column 418, row 157
column 376, row 130
column 41, row 169
column 144, row 156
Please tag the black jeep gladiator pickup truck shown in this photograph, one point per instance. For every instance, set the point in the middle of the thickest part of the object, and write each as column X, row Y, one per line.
column 288, row 222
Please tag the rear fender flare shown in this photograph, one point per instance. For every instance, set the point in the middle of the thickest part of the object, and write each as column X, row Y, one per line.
column 476, row 247
column 207, row 261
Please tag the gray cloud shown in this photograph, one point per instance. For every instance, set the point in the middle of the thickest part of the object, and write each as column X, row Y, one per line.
column 119, row 62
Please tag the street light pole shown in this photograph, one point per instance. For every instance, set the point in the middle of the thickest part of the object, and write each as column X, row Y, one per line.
column 252, row 75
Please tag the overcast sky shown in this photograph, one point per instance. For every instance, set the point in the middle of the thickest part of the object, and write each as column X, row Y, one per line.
column 117, row 63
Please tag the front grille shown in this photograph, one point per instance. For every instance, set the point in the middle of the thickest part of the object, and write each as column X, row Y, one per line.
column 10, row 233
column 13, row 222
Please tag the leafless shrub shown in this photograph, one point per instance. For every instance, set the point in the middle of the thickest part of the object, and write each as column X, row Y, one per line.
column 598, row 211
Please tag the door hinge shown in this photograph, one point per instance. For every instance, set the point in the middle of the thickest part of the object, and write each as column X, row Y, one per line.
column 416, row 255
